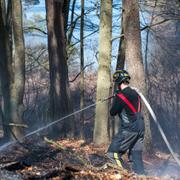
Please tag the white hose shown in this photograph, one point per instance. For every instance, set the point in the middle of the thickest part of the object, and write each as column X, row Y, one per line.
column 158, row 125
column 100, row 101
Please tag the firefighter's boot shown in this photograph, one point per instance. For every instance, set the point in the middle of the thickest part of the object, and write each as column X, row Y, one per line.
column 115, row 158
column 137, row 162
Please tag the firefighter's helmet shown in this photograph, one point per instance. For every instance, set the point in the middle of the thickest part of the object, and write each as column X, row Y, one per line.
column 121, row 76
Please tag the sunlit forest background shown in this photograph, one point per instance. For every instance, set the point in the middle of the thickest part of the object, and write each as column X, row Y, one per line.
column 57, row 59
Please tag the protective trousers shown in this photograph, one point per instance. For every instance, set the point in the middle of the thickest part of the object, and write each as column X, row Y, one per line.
column 137, row 162
column 125, row 140
column 129, row 141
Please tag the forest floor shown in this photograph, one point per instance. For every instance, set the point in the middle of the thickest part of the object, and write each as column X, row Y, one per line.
column 42, row 158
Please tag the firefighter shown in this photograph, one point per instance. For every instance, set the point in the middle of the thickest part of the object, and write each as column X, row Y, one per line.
column 127, row 105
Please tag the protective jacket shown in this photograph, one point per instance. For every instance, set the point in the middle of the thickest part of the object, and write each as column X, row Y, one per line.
column 127, row 105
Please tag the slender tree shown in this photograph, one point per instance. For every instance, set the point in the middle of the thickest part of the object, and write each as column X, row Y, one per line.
column 66, row 13
column 59, row 87
column 120, row 65
column 104, row 81
column 81, row 68
column 121, row 50
column 72, row 24
column 133, row 56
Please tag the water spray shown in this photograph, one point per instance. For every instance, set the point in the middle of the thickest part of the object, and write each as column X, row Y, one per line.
column 92, row 105
column 158, row 125
column 54, row 122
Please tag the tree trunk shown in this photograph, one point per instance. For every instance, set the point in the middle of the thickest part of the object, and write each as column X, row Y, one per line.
column 121, row 50
column 72, row 24
column 12, row 69
column 59, row 87
column 4, row 72
column 115, row 122
column 1, row 109
column 100, row 135
column 17, row 82
column 133, row 56
column 82, row 71
column 66, row 14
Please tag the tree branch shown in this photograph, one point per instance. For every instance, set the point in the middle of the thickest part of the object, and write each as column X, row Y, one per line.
column 155, row 24
column 85, row 37
column 81, row 72
column 117, row 37
column 34, row 28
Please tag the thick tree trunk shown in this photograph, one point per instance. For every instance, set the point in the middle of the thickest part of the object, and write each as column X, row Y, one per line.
column 133, row 56
column 100, row 135
column 59, row 87
column 17, row 82
column 4, row 72
column 12, row 68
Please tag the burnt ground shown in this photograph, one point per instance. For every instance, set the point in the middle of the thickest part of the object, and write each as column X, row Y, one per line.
column 41, row 158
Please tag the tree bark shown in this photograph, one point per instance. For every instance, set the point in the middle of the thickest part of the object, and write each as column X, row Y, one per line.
column 12, row 68
column 72, row 24
column 134, row 58
column 66, row 14
column 3, row 67
column 100, row 135
column 82, row 70
column 115, row 123
column 59, row 87
column 121, row 50
column 17, row 83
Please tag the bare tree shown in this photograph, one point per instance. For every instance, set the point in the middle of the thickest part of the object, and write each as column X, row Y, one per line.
column 121, row 50
column 163, row 70
column 12, row 67
column 104, row 81
column 66, row 13
column 72, row 24
column 81, row 68
column 59, row 86
column 4, row 71
column 18, row 79
column 133, row 56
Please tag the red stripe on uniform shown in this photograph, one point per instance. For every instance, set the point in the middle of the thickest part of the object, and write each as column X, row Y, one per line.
column 120, row 95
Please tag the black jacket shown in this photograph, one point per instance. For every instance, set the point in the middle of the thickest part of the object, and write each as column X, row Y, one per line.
column 129, row 120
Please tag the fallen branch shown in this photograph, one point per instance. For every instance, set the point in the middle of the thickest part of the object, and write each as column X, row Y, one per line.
column 15, row 124
column 57, row 145
column 18, row 125
column 11, row 166
column 43, row 175
column 75, row 168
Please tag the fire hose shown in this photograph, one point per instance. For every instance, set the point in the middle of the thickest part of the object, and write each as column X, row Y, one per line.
column 52, row 123
column 101, row 101
column 158, row 125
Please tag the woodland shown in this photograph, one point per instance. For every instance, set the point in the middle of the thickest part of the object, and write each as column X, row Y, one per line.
column 57, row 58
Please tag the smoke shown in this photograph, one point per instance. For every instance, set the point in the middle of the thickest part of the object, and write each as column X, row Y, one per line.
column 168, row 170
column 6, row 145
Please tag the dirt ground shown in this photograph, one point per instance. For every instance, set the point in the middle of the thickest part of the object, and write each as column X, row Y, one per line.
column 43, row 158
